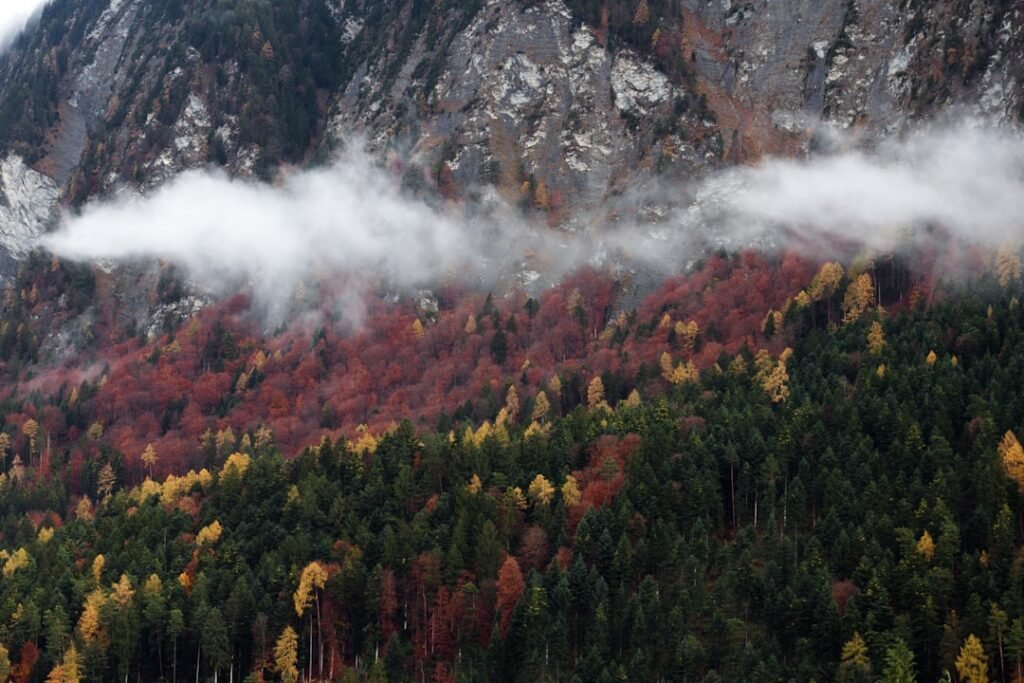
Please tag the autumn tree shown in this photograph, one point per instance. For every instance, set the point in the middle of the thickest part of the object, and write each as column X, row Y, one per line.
column 512, row 403
column 149, row 458
column 541, row 406
column 1012, row 454
column 854, row 663
column 595, row 392
column 642, row 14
column 859, row 296
column 571, row 492
column 876, row 339
column 69, row 669
column 541, row 490
column 311, row 582
column 1008, row 267
column 510, row 588
column 286, row 655
column 926, row 546
column 105, row 482
column 972, row 664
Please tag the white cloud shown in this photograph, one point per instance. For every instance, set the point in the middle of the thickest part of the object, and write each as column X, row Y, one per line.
column 350, row 218
column 14, row 15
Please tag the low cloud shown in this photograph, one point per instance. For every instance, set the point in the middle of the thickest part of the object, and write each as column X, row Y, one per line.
column 14, row 16
column 350, row 218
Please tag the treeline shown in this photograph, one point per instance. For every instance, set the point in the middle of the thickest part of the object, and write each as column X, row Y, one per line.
column 847, row 509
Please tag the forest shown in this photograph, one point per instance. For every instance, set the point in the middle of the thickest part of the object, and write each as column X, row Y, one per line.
column 708, row 486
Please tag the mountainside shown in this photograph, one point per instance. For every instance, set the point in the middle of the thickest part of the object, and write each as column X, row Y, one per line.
column 561, row 106
column 512, row 341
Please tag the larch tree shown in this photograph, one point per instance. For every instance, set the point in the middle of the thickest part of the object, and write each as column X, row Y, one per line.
column 926, row 546
column 595, row 392
column 31, row 430
column 149, row 458
column 541, row 406
column 512, row 403
column 286, row 655
column 972, row 664
column 541, row 490
column 854, row 662
column 1012, row 455
column 571, row 492
column 642, row 14
column 876, row 339
column 1008, row 267
column 105, row 482
column 311, row 582
column 859, row 296
column 68, row 671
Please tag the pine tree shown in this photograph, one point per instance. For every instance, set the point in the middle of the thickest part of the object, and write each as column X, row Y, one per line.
column 899, row 664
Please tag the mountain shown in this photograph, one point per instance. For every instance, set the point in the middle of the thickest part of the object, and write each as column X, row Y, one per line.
column 583, row 100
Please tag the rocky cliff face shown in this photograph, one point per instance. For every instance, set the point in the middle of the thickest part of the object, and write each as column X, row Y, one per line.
column 558, row 105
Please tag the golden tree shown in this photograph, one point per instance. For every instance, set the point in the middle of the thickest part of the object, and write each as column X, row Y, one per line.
column 876, row 339
column 105, row 481
column 98, row 563
column 541, row 490
column 417, row 329
column 149, row 458
column 930, row 359
column 926, row 546
column 541, row 406
column 633, row 400
column 30, row 429
column 776, row 383
column 512, row 403
column 854, row 660
column 470, row 324
column 68, row 671
column 312, row 579
column 1012, row 455
column 1008, row 268
column 642, row 14
column 972, row 664
column 286, row 654
column 122, row 591
column 89, row 624
column 859, row 296
column 826, row 282
column 209, row 534
column 571, row 492
column 595, row 392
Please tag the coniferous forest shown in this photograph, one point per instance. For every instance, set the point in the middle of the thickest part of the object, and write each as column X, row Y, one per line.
column 836, row 497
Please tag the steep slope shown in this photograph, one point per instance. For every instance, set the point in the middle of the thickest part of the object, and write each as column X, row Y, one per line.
column 559, row 105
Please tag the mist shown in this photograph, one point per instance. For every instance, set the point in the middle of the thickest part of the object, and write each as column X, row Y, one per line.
column 14, row 17
column 350, row 218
